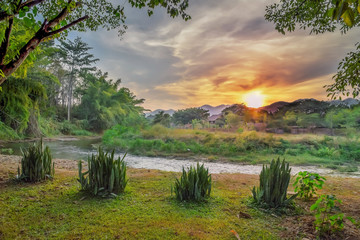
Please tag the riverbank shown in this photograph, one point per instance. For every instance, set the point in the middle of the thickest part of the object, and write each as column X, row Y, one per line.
column 247, row 147
column 147, row 211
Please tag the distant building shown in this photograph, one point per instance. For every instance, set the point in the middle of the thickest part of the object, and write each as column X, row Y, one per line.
column 213, row 118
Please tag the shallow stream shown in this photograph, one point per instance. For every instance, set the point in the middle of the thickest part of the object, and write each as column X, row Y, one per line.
column 75, row 149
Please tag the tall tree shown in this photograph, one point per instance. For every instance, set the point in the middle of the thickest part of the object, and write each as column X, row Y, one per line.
column 104, row 103
column 185, row 116
column 46, row 19
column 76, row 56
column 322, row 16
column 162, row 118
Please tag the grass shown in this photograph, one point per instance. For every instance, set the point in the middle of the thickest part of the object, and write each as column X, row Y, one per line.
column 145, row 211
column 246, row 147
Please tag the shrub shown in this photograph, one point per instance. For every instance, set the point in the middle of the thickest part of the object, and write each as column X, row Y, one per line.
column 105, row 176
column 274, row 181
column 7, row 132
column 328, row 217
column 194, row 184
column 307, row 183
column 36, row 164
column 67, row 127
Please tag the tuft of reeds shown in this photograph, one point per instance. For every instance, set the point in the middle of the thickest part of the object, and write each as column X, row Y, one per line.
column 105, row 176
column 194, row 184
column 36, row 164
column 274, row 182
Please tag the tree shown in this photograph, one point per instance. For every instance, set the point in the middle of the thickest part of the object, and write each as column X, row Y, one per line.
column 233, row 120
column 104, row 103
column 309, row 120
column 47, row 19
column 185, row 116
column 322, row 16
column 19, row 104
column 162, row 118
column 76, row 57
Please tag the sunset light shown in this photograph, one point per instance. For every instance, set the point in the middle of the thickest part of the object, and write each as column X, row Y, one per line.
column 254, row 99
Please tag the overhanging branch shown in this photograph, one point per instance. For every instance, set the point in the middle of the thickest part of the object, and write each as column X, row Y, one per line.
column 5, row 44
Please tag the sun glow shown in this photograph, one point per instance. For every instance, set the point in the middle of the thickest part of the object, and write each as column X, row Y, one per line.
column 254, row 99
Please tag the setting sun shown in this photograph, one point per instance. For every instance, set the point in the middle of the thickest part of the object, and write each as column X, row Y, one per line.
column 254, row 99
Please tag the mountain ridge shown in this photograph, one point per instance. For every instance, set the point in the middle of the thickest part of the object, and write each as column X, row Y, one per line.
column 277, row 106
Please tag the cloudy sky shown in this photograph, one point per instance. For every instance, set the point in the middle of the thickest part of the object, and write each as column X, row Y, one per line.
column 226, row 51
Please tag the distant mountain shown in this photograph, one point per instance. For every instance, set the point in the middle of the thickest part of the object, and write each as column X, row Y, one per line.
column 309, row 105
column 349, row 102
column 274, row 107
column 170, row 112
column 214, row 110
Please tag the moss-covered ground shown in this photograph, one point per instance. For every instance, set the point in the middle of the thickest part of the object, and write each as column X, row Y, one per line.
column 57, row 210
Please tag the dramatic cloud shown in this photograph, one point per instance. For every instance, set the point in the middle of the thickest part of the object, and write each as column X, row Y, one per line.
column 224, row 52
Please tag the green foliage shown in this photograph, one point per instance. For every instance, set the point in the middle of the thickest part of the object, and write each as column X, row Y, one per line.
column 306, row 184
column 194, row 184
column 20, row 99
column 104, row 103
column 347, row 77
column 7, row 133
column 6, row 151
column 185, row 116
column 105, row 175
column 36, row 164
column 328, row 217
column 162, row 118
column 233, row 120
column 323, row 16
column 62, row 16
column 274, row 182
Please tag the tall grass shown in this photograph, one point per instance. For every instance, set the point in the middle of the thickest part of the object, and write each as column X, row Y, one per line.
column 105, row 176
column 161, row 141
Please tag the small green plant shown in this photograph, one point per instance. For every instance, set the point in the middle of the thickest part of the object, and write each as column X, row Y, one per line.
column 274, row 181
column 194, row 184
column 7, row 151
column 306, row 184
column 328, row 217
column 105, row 176
column 36, row 164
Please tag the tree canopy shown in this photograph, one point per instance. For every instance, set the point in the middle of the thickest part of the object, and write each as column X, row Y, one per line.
column 322, row 16
column 35, row 21
column 185, row 116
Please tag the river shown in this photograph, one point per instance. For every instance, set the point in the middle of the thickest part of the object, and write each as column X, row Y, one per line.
column 75, row 149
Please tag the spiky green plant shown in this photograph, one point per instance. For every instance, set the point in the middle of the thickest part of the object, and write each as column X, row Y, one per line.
column 105, row 176
column 274, row 182
column 194, row 184
column 36, row 164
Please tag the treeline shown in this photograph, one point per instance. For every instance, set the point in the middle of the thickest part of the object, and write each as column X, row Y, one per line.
column 64, row 93
column 302, row 114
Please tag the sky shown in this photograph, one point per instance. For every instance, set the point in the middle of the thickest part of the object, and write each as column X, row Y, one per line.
column 224, row 54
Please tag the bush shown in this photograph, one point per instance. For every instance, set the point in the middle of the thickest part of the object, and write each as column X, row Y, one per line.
column 105, row 176
column 194, row 184
column 274, row 181
column 307, row 183
column 7, row 132
column 328, row 217
column 67, row 127
column 36, row 164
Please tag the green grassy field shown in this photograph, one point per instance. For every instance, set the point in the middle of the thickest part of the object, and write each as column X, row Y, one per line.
column 56, row 210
